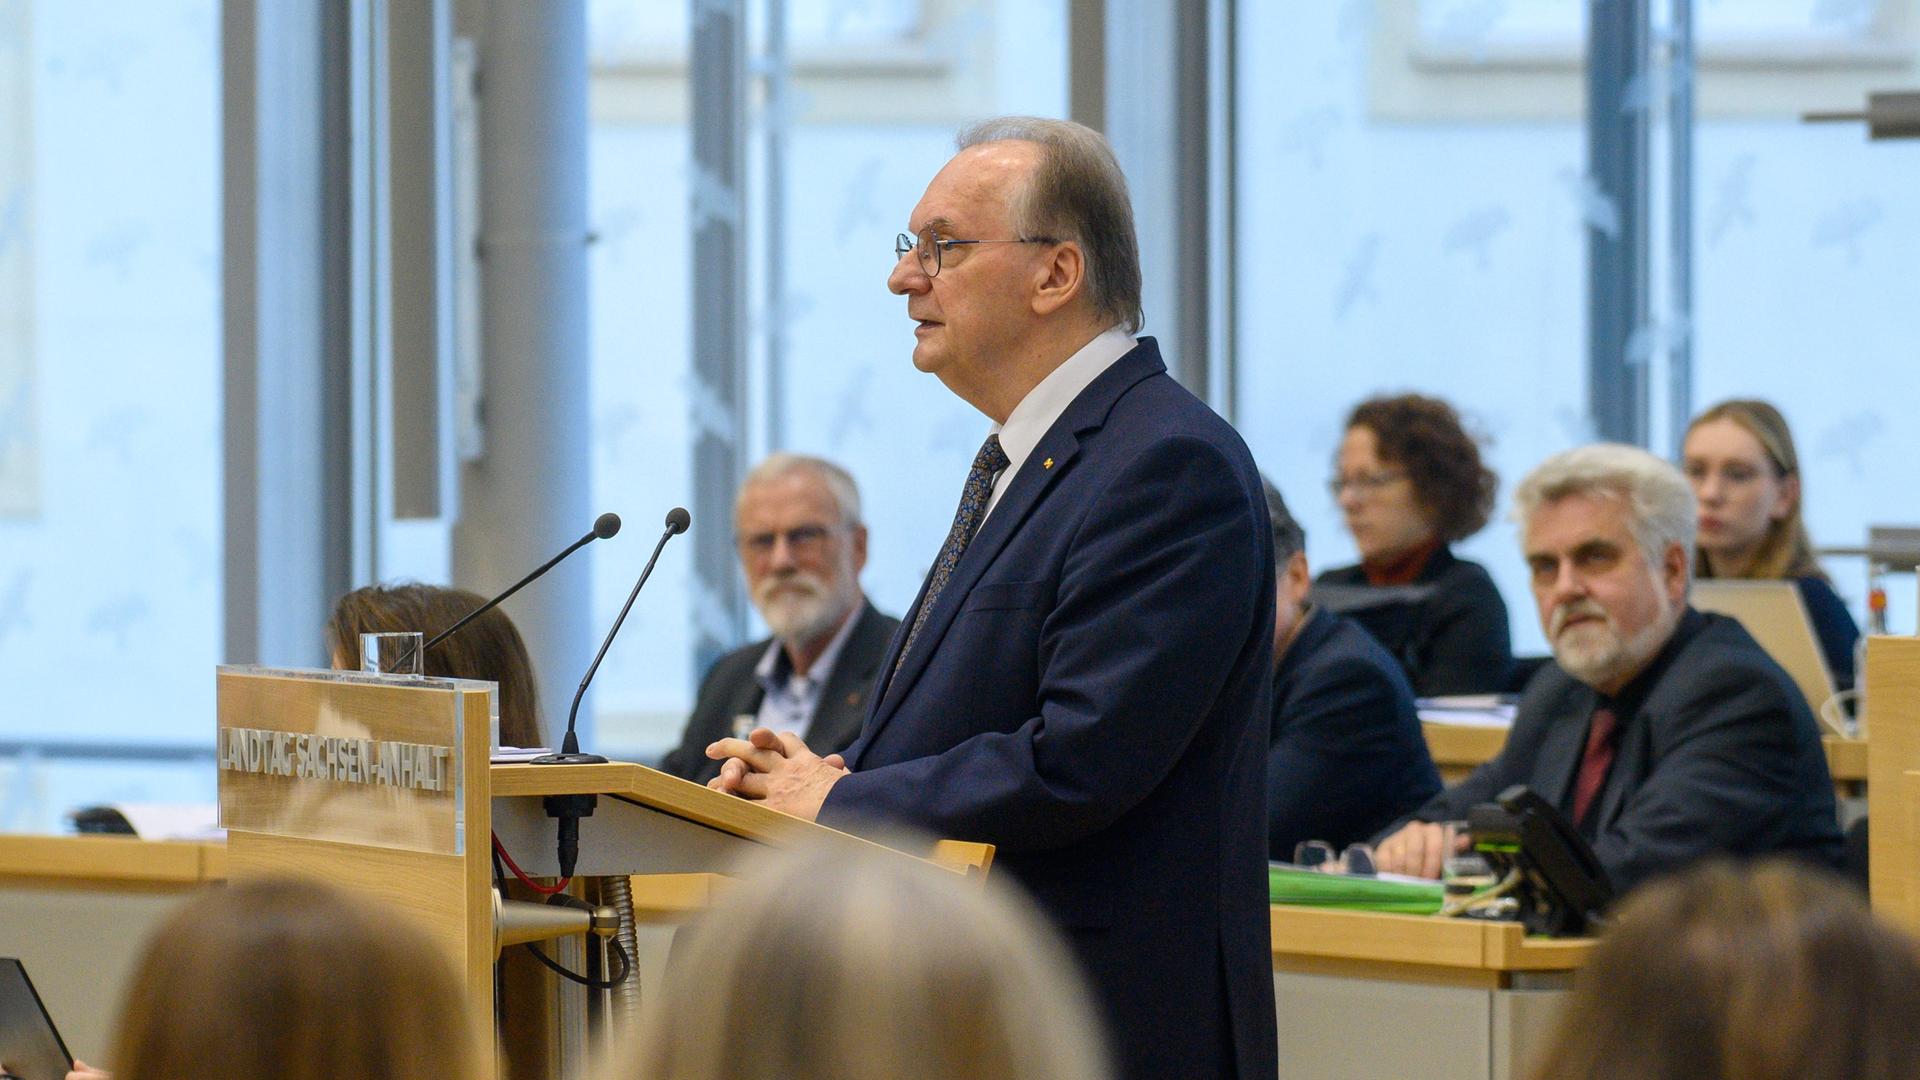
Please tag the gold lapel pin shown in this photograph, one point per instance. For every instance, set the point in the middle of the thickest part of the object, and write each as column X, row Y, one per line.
column 1047, row 464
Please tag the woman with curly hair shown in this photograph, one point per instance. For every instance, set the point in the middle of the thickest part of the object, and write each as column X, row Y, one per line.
column 1409, row 482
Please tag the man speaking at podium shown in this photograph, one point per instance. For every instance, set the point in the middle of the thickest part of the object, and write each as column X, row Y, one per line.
column 1084, row 679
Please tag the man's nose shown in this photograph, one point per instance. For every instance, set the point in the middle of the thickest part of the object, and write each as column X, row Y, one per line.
column 907, row 277
column 1568, row 584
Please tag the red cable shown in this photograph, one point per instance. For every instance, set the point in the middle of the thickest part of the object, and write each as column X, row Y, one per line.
column 544, row 890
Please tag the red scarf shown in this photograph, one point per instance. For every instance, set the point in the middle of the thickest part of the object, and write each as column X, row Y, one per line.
column 1404, row 570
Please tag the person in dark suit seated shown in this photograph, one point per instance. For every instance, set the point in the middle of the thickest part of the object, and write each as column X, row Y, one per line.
column 1347, row 755
column 1085, row 679
column 802, row 546
column 1745, row 473
column 1664, row 734
column 1409, row 481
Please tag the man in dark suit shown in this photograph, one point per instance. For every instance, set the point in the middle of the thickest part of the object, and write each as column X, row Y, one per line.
column 1347, row 754
column 1664, row 734
column 1084, row 679
column 802, row 546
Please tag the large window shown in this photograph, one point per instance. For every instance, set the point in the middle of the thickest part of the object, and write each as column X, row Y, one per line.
column 1413, row 198
column 867, row 116
column 110, row 537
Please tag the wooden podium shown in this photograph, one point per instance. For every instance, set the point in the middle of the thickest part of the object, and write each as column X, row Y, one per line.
column 382, row 785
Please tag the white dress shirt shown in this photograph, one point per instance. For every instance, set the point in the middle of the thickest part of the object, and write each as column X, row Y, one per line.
column 1036, row 413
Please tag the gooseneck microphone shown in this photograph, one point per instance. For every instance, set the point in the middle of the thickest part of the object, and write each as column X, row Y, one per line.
column 604, row 527
column 677, row 521
column 567, row 810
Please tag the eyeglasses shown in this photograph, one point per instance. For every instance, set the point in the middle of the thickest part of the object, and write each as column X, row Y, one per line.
column 1363, row 483
column 929, row 247
column 1319, row 855
column 802, row 541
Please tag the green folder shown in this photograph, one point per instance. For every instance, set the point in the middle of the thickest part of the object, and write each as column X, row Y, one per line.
column 1354, row 892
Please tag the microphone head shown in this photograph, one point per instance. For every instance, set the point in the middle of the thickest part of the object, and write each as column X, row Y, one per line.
column 678, row 520
column 606, row 525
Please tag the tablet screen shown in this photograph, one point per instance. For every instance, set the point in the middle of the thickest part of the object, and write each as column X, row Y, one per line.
column 30, row 1048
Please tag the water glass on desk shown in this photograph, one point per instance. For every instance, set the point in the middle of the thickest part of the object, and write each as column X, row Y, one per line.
column 393, row 653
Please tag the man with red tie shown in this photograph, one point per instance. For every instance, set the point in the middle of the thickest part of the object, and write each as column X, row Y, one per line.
column 1663, row 733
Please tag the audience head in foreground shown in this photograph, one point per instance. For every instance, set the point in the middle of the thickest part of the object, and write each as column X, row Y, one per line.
column 489, row 648
column 1664, row 734
column 866, row 966
column 1774, row 972
column 291, row 980
column 1409, row 481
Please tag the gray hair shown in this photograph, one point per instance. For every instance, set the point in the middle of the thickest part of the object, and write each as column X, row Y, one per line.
column 1658, row 501
column 838, row 481
column 1288, row 536
column 1076, row 193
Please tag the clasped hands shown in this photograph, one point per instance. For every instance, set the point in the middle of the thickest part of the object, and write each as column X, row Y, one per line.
column 777, row 769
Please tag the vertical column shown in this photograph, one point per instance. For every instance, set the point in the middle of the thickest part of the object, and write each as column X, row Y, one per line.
column 1164, row 119
column 284, row 104
column 528, row 495
column 719, row 120
column 1619, row 344
column 1680, row 69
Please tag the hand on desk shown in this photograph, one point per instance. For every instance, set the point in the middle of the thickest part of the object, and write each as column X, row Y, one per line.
column 1419, row 849
column 777, row 769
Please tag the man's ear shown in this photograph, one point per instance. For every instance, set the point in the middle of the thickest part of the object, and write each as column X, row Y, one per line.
column 859, row 540
column 1061, row 277
column 1674, row 570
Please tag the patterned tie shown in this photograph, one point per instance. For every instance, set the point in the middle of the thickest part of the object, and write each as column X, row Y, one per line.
column 966, row 521
column 1603, row 737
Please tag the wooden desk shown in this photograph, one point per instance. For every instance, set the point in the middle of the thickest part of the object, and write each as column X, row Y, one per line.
column 1457, row 750
column 77, row 909
column 1363, row 995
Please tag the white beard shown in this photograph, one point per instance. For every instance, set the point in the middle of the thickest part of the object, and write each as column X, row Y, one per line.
column 1596, row 653
column 801, row 607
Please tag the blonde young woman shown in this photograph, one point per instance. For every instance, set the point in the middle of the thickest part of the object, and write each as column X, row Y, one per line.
column 291, row 980
column 1739, row 457
column 836, row 964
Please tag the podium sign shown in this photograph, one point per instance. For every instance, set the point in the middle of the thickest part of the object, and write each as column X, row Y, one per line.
column 349, row 757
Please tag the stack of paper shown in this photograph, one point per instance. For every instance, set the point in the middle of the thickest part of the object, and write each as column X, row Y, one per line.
column 1469, row 710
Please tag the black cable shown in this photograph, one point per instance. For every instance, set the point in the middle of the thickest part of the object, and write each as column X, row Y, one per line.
column 626, row 967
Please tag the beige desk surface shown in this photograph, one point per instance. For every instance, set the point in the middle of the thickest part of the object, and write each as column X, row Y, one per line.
column 1459, row 748
column 104, row 862
column 1414, row 948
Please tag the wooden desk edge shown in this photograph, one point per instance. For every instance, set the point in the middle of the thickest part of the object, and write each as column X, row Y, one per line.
column 123, row 860
column 1418, row 941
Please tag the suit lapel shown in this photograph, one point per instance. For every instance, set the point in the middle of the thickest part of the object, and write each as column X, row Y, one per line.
column 1030, row 485
column 1625, row 774
column 1560, row 752
column 843, row 699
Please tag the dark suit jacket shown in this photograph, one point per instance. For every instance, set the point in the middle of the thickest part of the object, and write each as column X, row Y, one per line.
column 1718, row 755
column 1348, row 755
column 1833, row 624
column 1090, row 694
column 730, row 689
column 1448, row 629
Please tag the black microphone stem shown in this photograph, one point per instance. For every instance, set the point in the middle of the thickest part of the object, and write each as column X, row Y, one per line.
column 498, row 600
column 570, row 745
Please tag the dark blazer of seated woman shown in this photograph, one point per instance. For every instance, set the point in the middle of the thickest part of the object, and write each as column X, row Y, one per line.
column 1447, row 627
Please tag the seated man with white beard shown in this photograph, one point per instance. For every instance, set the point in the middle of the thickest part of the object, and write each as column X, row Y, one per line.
column 802, row 547
column 1664, row 734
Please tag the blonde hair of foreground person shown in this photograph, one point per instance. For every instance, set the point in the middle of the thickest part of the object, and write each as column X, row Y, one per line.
column 869, row 966
column 1742, row 973
column 291, row 980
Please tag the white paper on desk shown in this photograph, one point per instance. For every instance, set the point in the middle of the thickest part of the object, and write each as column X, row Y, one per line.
column 1469, row 710
column 509, row 755
column 173, row 821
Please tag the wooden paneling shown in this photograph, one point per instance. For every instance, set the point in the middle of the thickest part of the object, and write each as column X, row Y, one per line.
column 1893, row 751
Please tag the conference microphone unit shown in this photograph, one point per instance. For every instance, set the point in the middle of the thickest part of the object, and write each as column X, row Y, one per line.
column 604, row 527
column 677, row 521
